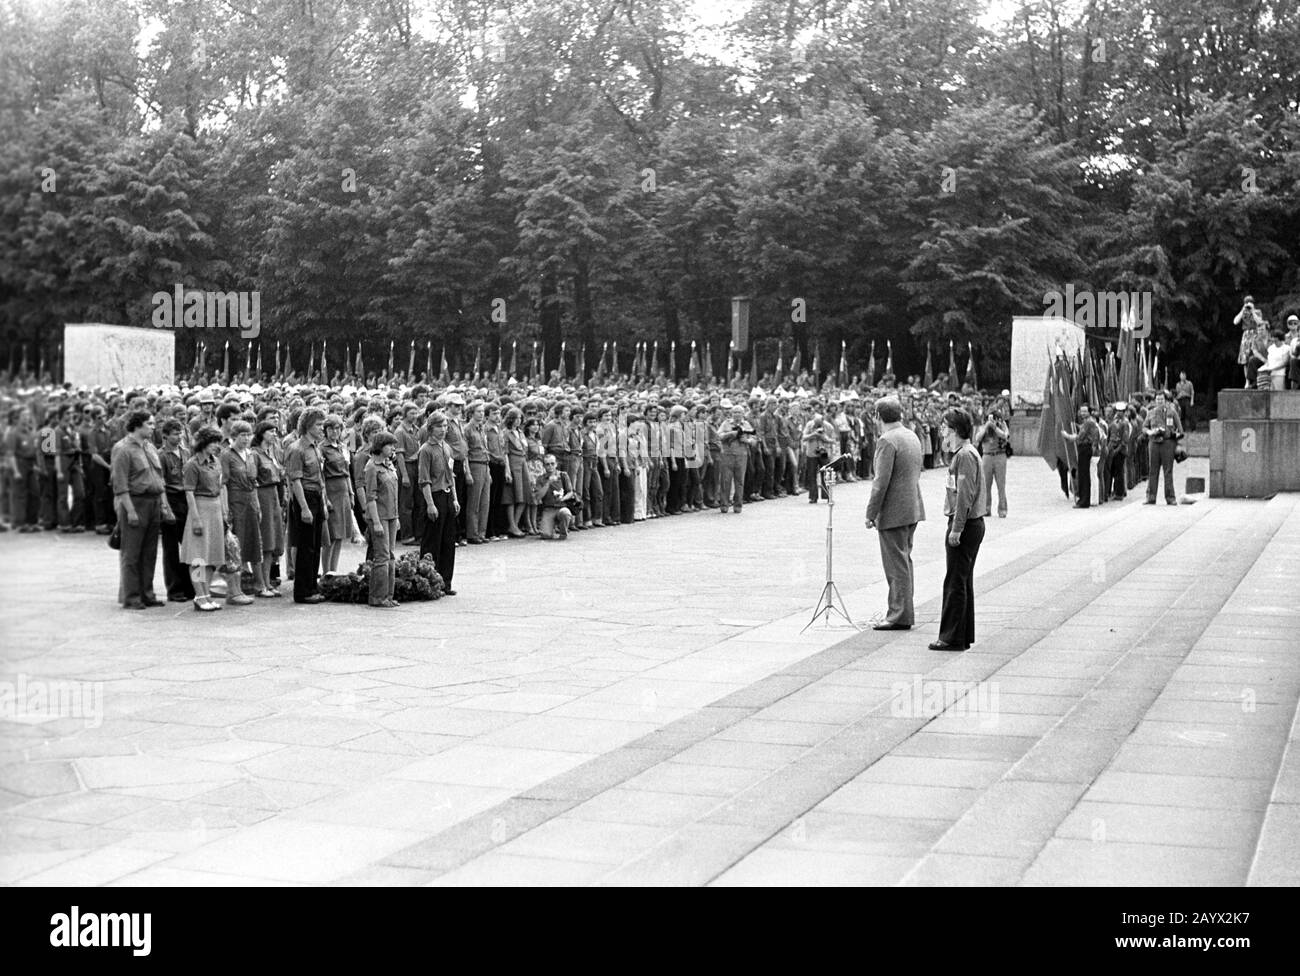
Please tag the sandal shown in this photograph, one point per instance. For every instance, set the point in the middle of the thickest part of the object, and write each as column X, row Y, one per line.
column 206, row 606
column 267, row 594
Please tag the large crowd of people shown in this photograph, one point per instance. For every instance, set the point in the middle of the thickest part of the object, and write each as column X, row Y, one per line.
column 240, row 479
column 229, row 479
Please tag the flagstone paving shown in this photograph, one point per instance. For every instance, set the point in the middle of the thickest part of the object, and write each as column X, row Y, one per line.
column 640, row 706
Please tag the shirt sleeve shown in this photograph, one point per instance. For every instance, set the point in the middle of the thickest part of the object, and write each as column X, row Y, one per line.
column 968, row 489
column 371, row 482
column 293, row 468
column 121, row 475
column 425, row 467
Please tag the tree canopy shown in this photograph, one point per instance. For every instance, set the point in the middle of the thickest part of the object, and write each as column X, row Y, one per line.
column 615, row 170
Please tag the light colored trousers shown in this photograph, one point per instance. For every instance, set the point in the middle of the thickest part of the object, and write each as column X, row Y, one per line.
column 896, row 557
column 480, row 497
column 995, row 470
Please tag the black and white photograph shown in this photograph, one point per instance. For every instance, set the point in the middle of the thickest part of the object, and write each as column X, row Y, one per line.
column 640, row 443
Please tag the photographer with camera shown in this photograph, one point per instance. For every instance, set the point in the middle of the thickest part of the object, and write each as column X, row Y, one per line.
column 993, row 441
column 1163, row 429
column 1253, row 351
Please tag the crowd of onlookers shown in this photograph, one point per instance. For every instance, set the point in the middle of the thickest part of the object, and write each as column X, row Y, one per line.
column 1269, row 356
column 521, row 460
column 473, row 461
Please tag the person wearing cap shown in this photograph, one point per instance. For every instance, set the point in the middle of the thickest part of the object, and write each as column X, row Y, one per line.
column 437, row 480
column 894, row 509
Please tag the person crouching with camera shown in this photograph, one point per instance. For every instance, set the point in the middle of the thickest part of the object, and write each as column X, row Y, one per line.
column 557, row 492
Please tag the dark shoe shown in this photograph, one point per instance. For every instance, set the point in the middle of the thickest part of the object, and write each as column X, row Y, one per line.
column 314, row 598
column 1080, row 505
column 155, row 602
column 448, row 592
column 722, row 511
column 133, row 605
column 1168, row 502
column 1149, row 501
column 941, row 646
column 891, row 627
column 179, row 598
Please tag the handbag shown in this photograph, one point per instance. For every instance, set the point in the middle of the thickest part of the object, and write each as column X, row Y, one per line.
column 1180, row 454
column 115, row 537
column 1011, row 451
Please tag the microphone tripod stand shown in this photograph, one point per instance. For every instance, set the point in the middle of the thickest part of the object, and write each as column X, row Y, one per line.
column 830, row 601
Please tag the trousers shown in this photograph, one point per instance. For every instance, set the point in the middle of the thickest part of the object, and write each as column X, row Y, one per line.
column 733, row 480
column 307, row 557
column 995, row 472
column 1085, row 474
column 957, row 619
column 138, row 557
column 175, row 573
column 1161, row 458
column 383, row 564
column 439, row 539
column 896, row 557
column 480, row 498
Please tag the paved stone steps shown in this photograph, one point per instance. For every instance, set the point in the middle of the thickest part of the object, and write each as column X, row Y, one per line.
column 827, row 784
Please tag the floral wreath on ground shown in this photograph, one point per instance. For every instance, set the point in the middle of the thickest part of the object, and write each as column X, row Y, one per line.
column 416, row 580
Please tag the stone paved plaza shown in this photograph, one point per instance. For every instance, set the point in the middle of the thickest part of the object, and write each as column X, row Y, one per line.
column 638, row 706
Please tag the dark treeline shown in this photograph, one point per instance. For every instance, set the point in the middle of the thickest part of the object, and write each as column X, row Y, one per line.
column 913, row 170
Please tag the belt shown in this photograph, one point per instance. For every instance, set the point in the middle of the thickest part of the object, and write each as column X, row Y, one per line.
column 145, row 494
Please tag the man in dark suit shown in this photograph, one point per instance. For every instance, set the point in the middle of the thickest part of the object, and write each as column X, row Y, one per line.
column 895, row 508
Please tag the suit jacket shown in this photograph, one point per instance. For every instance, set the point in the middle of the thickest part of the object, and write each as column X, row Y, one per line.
column 896, row 491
